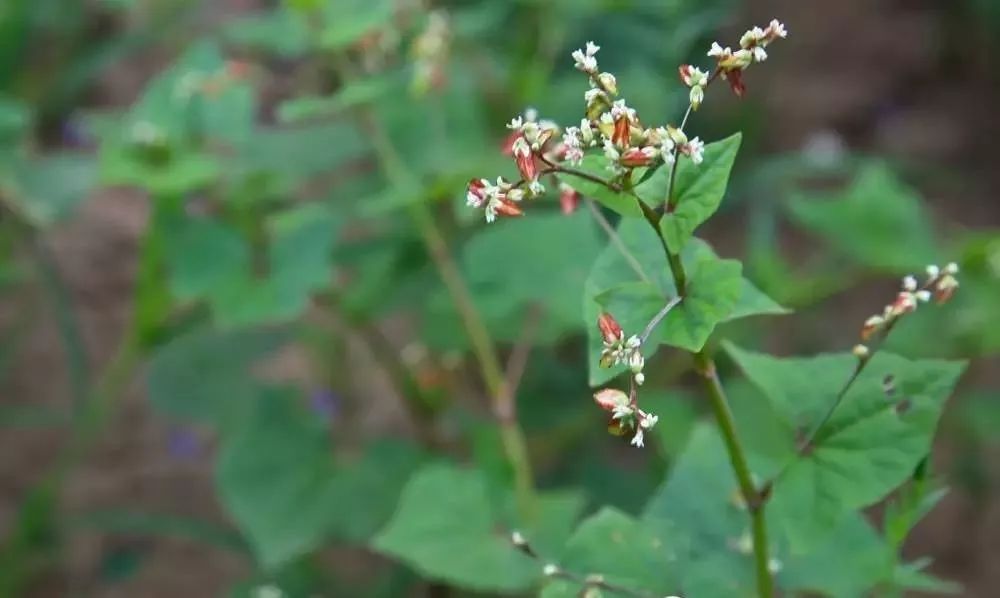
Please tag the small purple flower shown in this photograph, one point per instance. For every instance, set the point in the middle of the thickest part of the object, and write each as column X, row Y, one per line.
column 325, row 403
column 183, row 444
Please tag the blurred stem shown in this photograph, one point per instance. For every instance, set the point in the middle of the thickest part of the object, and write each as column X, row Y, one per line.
column 501, row 393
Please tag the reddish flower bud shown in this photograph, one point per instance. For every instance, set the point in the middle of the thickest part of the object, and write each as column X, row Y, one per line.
column 609, row 398
column 610, row 330
column 735, row 80
column 638, row 156
column 684, row 71
column 525, row 160
column 475, row 194
column 507, row 148
column 568, row 199
column 620, row 135
column 506, row 207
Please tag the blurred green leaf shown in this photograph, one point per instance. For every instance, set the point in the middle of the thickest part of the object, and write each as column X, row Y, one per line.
column 699, row 190
column 347, row 21
column 275, row 474
column 48, row 189
column 354, row 93
column 203, row 375
column 446, row 528
column 877, row 221
column 281, row 32
column 623, row 551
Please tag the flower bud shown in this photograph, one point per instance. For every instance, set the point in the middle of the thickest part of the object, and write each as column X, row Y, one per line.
column 609, row 398
column 636, row 156
column 607, row 82
column 860, row 351
column 568, row 198
column 611, row 331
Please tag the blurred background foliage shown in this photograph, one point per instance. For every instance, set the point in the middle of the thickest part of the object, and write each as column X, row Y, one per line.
column 227, row 200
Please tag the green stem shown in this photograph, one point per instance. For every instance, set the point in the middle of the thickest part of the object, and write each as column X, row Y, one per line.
column 752, row 498
column 502, row 395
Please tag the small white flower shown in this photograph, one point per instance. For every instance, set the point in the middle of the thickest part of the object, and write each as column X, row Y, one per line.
column 752, row 37
column 718, row 51
column 951, row 268
column 636, row 361
column 610, row 151
column 622, row 412
column 776, row 29
column 909, row 284
column 586, row 132
column 535, row 187
column 933, row 271
column 515, row 194
column 550, row 570
column 774, row 566
column 592, row 94
column 268, row 591
column 695, row 149
column 696, row 96
column 620, row 110
column 633, row 342
column 742, row 58
column 923, row 295
column 874, row 322
column 759, row 54
column 530, row 114
column 608, row 82
column 637, row 439
column 860, row 351
column 648, row 421
column 584, row 59
column 515, row 123
column 517, row 539
column 639, row 378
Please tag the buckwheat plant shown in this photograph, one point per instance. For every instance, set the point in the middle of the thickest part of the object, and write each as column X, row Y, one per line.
column 661, row 285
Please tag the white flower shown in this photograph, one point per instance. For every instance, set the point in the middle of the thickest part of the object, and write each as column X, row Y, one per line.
column 550, row 570
column 648, row 420
column 515, row 194
column 639, row 378
column 515, row 123
column 696, row 96
column 776, row 29
column 695, row 149
column 623, row 411
column 951, row 268
column 774, row 566
column 521, row 148
column 759, row 53
column 268, row 591
column 923, row 295
column 608, row 82
column 584, row 59
column 518, row 539
column 591, row 95
column 752, row 37
column 610, row 151
column 530, row 114
column 536, row 187
column 620, row 110
column 574, row 149
column 909, row 284
column 742, row 58
column 636, row 361
column 933, row 271
column 637, row 439
column 860, row 351
column 586, row 132
column 718, row 51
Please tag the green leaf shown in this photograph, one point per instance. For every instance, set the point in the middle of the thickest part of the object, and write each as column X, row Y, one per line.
column 282, row 32
column 351, row 95
column 870, row 445
column 699, row 190
column 653, row 286
column 367, row 489
column 877, row 221
column 348, row 21
column 203, row 375
column 276, row 477
column 625, row 204
column 192, row 275
column 542, row 261
column 446, row 528
column 625, row 552
column 50, row 188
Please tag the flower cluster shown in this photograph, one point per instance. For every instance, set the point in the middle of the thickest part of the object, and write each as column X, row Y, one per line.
column 626, row 416
column 940, row 285
column 618, row 350
column 730, row 65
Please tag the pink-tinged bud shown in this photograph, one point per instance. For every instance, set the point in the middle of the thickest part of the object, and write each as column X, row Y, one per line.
column 506, row 207
column 871, row 325
column 507, row 148
column 945, row 288
column 569, row 199
column 735, row 80
column 905, row 303
column 475, row 195
column 609, row 398
column 525, row 160
column 684, row 71
column 638, row 156
column 610, row 330
column 621, row 133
